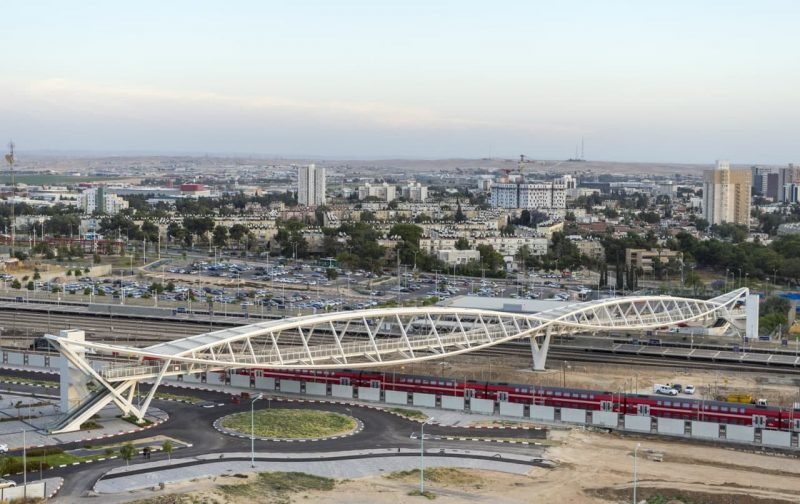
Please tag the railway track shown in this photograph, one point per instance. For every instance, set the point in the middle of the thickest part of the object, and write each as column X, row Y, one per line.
column 20, row 327
column 649, row 361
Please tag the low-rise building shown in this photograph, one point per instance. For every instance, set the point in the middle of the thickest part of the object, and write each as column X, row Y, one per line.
column 455, row 256
column 643, row 259
column 384, row 192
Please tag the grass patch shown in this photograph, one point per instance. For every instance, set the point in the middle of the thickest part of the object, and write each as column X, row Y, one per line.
column 133, row 420
column 29, row 381
column 411, row 414
column 41, row 457
column 427, row 494
column 178, row 397
column 277, row 486
column 441, row 475
column 90, row 424
column 14, row 419
column 291, row 423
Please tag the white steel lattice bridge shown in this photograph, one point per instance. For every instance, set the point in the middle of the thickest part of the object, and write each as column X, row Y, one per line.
column 354, row 339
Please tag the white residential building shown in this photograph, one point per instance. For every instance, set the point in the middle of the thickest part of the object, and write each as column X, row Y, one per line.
column 311, row 185
column 455, row 256
column 384, row 192
column 97, row 199
column 539, row 195
column 415, row 191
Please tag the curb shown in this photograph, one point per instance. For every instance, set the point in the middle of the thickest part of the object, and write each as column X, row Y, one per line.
column 54, row 492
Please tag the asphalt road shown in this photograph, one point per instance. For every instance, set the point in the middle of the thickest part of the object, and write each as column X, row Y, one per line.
column 194, row 424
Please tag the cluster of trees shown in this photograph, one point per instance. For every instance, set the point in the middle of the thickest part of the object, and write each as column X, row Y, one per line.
column 780, row 259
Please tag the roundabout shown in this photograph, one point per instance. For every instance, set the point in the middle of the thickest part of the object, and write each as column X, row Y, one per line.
column 289, row 424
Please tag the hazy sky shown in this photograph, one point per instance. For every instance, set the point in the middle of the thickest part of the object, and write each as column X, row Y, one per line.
column 683, row 81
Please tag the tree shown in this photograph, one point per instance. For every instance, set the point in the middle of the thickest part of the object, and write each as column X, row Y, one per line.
column 36, row 275
column 462, row 244
column 150, row 231
column 170, row 286
column 30, row 286
column 15, row 284
column 126, row 453
column 332, row 274
column 87, row 291
column 237, row 232
column 167, row 447
column 220, row 236
column 96, row 258
column 460, row 217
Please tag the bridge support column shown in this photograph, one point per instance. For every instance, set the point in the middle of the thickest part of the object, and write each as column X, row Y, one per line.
column 539, row 353
column 751, row 309
column 74, row 383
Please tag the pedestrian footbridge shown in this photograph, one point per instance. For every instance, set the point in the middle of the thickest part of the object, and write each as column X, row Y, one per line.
column 357, row 339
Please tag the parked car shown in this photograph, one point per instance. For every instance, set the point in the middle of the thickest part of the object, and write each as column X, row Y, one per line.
column 6, row 483
column 3, row 448
column 688, row 389
column 678, row 387
column 667, row 391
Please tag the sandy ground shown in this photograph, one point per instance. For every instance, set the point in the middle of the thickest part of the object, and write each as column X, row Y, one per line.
column 592, row 468
column 779, row 389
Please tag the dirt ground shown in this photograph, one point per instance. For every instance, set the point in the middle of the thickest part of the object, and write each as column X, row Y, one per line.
column 778, row 388
column 592, row 467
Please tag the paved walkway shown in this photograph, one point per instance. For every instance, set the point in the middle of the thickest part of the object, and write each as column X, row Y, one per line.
column 47, row 414
column 359, row 464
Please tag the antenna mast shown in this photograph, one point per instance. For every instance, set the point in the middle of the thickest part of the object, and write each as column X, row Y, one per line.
column 10, row 161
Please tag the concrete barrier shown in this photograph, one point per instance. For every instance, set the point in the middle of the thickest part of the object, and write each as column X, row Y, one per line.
column 290, row 386
column 453, row 403
column 15, row 358
column 546, row 413
column 637, row 423
column 264, row 383
column 369, row 394
column 193, row 378
column 313, row 388
column 481, row 406
column 343, row 391
column 214, row 378
column 238, row 380
column 671, row 426
column 605, row 419
column 36, row 360
column 396, row 397
column 744, row 433
column 708, row 430
column 512, row 409
column 425, row 400
column 776, row 438
column 573, row 415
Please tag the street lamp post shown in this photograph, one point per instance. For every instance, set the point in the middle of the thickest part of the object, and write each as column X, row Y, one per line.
column 635, row 456
column 253, row 430
column 422, row 455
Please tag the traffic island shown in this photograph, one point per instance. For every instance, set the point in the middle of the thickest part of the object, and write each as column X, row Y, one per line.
column 284, row 424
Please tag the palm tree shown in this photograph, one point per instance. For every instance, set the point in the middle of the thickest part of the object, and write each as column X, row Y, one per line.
column 126, row 452
column 167, row 447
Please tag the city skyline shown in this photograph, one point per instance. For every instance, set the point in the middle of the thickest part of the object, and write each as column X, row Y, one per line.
column 665, row 83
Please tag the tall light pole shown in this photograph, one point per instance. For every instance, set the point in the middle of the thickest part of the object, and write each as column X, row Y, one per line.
column 253, row 430
column 635, row 456
column 422, row 455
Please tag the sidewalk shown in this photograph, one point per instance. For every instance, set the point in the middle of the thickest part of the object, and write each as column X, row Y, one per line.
column 381, row 461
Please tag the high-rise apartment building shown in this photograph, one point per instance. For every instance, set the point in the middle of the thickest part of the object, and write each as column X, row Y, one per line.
column 384, row 192
column 540, row 195
column 726, row 195
column 788, row 177
column 96, row 199
column 415, row 191
column 311, row 185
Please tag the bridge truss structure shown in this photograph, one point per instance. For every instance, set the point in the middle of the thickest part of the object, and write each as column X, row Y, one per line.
column 359, row 339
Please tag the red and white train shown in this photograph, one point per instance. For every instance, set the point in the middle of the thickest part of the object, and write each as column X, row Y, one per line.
column 769, row 417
